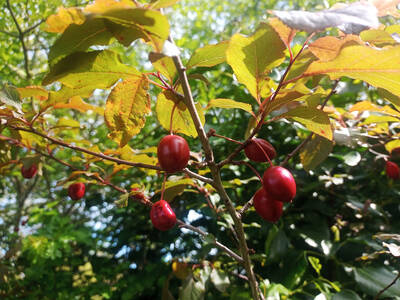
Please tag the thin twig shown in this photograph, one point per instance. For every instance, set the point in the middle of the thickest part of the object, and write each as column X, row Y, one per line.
column 387, row 287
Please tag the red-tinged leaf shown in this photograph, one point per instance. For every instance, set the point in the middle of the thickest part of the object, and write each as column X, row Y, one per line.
column 328, row 47
column 97, row 69
column 315, row 152
column 252, row 58
column 368, row 106
column 126, row 109
column 387, row 7
column 378, row 67
column 286, row 33
column 65, row 93
column 36, row 92
column 63, row 18
column 80, row 105
column 301, row 64
column 313, row 119
column 208, row 56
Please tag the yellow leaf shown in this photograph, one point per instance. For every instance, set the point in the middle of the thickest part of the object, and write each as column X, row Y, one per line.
column 127, row 153
column 228, row 103
column 368, row 106
column 285, row 33
column 65, row 16
column 252, row 58
column 182, row 121
column 392, row 145
column 101, row 6
column 126, row 108
column 36, row 92
column 208, row 56
column 315, row 152
column 378, row 67
column 328, row 47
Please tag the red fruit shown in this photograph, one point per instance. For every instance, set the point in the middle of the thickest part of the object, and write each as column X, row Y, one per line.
column 279, row 183
column 162, row 216
column 392, row 170
column 253, row 150
column 29, row 172
column 139, row 194
column 267, row 207
column 173, row 153
column 76, row 190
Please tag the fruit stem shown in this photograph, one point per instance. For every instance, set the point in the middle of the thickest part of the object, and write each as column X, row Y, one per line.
column 263, row 151
column 171, row 119
column 242, row 162
column 163, row 186
column 226, row 138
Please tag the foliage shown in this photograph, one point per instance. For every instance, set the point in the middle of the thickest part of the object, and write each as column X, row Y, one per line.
column 113, row 86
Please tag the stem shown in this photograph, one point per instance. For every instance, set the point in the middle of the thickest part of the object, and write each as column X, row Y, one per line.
column 387, row 287
column 163, row 186
column 171, row 119
column 215, row 171
column 242, row 162
column 227, row 138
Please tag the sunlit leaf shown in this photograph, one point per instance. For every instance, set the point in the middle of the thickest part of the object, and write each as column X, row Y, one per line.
column 101, row 6
column 368, row 106
column 162, row 3
column 79, row 38
column 164, row 64
column 328, row 47
column 313, row 119
column 379, row 38
column 97, row 69
column 63, row 18
column 36, row 92
column 126, row 108
column 392, row 145
column 380, row 68
column 9, row 95
column 209, row 55
column 182, row 121
column 252, row 58
column 286, row 33
column 228, row 103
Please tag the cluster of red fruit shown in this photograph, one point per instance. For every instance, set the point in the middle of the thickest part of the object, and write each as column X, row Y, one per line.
column 76, row 190
column 278, row 183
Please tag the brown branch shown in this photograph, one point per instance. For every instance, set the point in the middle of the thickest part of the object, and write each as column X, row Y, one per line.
column 33, row 27
column 21, row 38
column 215, row 171
column 387, row 287
column 246, row 207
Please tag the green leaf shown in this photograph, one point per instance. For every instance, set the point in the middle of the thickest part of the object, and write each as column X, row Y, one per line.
column 313, row 119
column 126, row 109
column 176, row 187
column 220, row 280
column 378, row 67
column 346, row 295
column 315, row 264
column 252, row 58
column 208, row 56
column 373, row 279
column 182, row 121
column 228, row 103
column 297, row 268
column 315, row 152
column 97, row 69
column 122, row 201
column 79, row 38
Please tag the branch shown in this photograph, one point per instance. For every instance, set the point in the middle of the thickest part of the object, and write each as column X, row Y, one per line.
column 21, row 38
column 387, row 287
column 33, row 27
column 215, row 171
column 218, row 244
